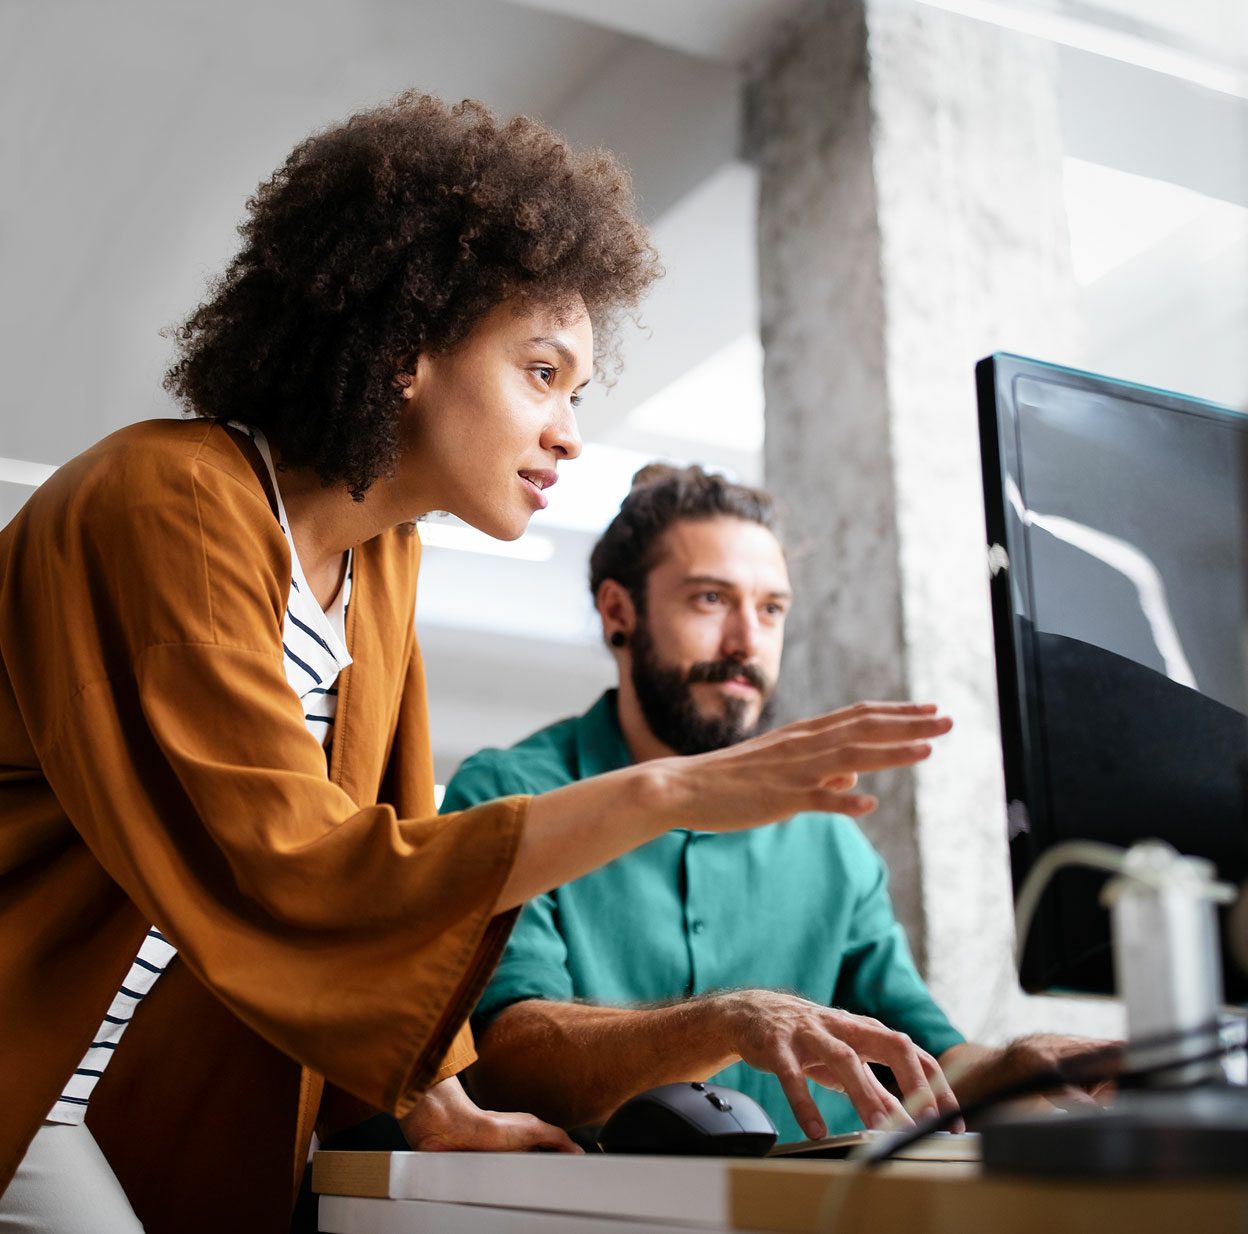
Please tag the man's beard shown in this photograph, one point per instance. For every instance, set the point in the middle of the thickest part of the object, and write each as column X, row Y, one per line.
column 666, row 699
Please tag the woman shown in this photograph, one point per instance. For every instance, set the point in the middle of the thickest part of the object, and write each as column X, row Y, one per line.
column 221, row 875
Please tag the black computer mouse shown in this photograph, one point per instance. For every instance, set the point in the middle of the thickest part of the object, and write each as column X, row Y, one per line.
column 701, row 1120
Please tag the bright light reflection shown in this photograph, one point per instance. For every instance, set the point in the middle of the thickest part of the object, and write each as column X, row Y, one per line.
column 719, row 401
column 1043, row 22
column 1115, row 216
column 16, row 471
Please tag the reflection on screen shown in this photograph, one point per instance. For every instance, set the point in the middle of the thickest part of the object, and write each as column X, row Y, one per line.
column 1130, row 537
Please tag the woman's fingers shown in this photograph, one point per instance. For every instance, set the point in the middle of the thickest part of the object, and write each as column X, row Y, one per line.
column 854, row 804
column 516, row 1132
column 875, row 729
column 860, row 713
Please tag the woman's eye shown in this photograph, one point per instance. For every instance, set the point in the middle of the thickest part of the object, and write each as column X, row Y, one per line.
column 577, row 396
column 545, row 373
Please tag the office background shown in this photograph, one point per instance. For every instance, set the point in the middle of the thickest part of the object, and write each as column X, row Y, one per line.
column 854, row 201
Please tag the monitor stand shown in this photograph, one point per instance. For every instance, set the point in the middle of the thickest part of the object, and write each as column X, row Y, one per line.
column 1186, row 1120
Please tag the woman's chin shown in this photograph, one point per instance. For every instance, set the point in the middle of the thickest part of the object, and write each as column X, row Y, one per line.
column 505, row 529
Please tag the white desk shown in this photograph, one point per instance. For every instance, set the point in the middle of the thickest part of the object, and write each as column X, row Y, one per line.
column 487, row 1193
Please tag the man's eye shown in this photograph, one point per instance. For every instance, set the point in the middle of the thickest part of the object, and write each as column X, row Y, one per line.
column 774, row 610
column 710, row 597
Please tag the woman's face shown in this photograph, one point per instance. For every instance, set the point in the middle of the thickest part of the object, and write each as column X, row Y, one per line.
column 487, row 423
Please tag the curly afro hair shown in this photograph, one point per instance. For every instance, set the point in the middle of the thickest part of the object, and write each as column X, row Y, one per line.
column 391, row 235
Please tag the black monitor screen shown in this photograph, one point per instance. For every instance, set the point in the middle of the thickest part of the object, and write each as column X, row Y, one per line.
column 1114, row 534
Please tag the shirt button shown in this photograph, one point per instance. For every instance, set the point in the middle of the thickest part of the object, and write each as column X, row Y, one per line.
column 697, row 926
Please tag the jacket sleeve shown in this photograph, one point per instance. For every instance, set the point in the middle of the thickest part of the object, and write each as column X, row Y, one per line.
column 534, row 963
column 153, row 687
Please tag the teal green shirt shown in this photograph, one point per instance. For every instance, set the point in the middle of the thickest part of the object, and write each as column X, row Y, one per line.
column 801, row 905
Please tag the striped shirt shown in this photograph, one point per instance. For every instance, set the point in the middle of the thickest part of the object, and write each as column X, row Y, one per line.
column 314, row 652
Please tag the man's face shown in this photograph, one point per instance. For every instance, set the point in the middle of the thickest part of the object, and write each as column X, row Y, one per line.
column 706, row 650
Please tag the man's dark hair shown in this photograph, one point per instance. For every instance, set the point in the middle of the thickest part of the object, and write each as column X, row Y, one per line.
column 391, row 235
column 662, row 496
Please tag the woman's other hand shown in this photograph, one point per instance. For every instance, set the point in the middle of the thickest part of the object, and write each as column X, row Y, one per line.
column 447, row 1120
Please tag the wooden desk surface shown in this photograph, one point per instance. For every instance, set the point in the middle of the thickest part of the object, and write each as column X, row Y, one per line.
column 519, row 1192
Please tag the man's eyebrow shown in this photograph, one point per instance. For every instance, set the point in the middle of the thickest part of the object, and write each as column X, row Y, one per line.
column 560, row 349
column 710, row 580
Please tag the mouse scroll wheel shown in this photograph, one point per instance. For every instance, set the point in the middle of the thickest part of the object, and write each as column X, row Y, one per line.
column 718, row 1102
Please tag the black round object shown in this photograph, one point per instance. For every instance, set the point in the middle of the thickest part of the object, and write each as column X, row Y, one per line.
column 694, row 1119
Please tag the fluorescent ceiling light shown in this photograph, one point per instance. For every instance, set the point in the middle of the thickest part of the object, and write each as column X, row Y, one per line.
column 1101, row 40
column 15, row 471
column 591, row 488
column 719, row 401
column 457, row 536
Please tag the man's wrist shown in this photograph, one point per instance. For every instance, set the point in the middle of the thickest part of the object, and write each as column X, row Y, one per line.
column 722, row 1022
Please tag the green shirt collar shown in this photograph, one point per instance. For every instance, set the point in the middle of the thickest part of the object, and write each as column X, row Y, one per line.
column 600, row 744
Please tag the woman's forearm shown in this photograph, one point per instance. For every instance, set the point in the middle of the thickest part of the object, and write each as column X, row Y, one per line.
column 572, row 830
column 809, row 765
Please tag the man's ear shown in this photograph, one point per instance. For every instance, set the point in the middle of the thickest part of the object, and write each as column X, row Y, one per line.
column 619, row 616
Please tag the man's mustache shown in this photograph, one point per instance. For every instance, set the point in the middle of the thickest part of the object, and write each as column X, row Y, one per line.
column 726, row 670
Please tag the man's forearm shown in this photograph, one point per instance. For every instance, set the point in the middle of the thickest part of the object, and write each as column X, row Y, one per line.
column 979, row 1071
column 573, row 1064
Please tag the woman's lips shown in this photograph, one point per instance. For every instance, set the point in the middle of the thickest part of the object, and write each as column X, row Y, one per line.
column 538, row 482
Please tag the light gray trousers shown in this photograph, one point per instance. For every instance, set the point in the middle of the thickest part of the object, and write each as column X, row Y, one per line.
column 65, row 1186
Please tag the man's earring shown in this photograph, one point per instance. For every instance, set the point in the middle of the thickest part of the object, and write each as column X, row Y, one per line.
column 619, row 638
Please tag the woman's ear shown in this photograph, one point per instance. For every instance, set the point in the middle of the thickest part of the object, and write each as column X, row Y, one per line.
column 405, row 376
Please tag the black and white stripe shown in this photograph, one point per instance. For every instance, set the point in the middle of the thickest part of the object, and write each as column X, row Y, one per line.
column 314, row 653
column 154, row 955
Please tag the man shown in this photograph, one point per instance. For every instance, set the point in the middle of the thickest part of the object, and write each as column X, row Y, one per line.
column 762, row 959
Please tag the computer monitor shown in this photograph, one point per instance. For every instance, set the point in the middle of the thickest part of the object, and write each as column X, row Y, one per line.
column 1114, row 537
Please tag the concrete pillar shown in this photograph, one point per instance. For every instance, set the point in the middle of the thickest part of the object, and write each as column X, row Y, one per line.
column 910, row 222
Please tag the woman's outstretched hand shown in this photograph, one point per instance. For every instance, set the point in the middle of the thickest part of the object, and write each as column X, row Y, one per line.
column 808, row 765
column 448, row 1120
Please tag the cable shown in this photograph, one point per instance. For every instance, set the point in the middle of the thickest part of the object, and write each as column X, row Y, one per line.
column 1077, row 1071
column 1152, row 862
column 1073, row 852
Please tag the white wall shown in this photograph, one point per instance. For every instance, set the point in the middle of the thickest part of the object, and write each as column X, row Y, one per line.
column 131, row 134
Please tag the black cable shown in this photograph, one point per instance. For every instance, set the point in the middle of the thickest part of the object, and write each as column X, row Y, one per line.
column 1077, row 1071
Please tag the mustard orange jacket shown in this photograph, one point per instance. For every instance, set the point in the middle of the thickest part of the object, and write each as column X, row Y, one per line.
column 155, row 768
